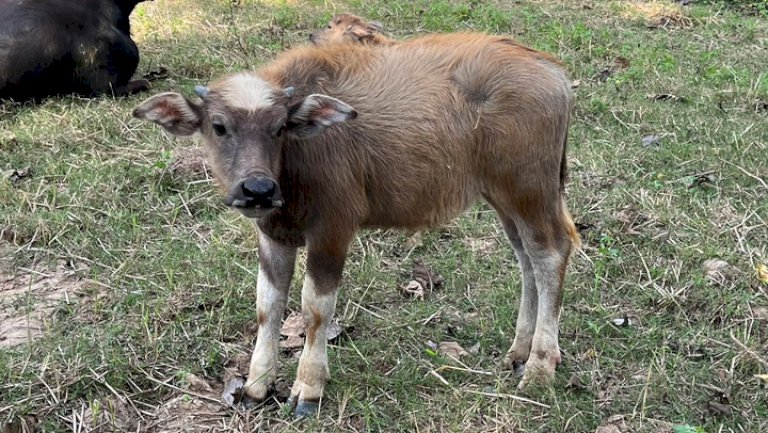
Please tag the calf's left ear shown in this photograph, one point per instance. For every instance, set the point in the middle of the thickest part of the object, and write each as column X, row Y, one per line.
column 175, row 113
column 316, row 113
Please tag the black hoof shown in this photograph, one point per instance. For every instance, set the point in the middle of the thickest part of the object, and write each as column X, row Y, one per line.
column 306, row 408
column 519, row 368
column 246, row 403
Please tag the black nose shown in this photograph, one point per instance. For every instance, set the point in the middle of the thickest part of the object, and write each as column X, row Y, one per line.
column 260, row 189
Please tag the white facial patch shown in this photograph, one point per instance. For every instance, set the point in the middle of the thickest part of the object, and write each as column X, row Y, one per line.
column 246, row 91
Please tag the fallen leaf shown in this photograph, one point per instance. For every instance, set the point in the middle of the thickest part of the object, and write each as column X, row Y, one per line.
column 603, row 75
column 451, row 348
column 333, row 331
column 275, row 30
column 763, row 377
column 426, row 277
column 414, row 241
column 293, row 329
column 233, row 388
column 719, row 409
column 475, row 349
column 197, row 384
column 239, row 365
column 574, row 383
column 414, row 289
column 701, row 179
column 760, row 313
column 762, row 273
column 17, row 174
column 616, row 421
column 292, row 342
column 714, row 265
column 160, row 73
column 627, row 215
column 651, row 140
column 718, row 271
column 293, row 325
column 575, row 84
column 589, row 354
column 673, row 20
column 608, row 428
column 621, row 62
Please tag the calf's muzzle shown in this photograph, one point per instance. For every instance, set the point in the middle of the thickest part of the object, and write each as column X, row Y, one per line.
column 259, row 192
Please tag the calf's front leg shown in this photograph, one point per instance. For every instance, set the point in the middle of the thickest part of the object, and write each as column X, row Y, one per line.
column 325, row 263
column 276, row 264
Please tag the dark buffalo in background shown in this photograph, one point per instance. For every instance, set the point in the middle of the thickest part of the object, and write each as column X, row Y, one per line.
column 54, row 47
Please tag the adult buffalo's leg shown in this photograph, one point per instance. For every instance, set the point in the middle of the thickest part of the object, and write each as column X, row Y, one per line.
column 122, row 65
column 276, row 264
column 325, row 263
column 111, row 73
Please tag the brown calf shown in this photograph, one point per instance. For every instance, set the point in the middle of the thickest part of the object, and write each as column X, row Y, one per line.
column 345, row 28
column 437, row 122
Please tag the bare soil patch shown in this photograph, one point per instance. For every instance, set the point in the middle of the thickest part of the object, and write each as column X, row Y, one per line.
column 29, row 296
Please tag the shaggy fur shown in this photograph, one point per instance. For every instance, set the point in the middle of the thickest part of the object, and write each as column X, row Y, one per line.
column 407, row 135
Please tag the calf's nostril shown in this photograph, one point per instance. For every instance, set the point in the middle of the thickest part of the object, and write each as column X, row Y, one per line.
column 259, row 188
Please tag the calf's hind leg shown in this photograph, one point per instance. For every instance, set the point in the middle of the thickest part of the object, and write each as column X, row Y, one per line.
column 526, row 316
column 542, row 234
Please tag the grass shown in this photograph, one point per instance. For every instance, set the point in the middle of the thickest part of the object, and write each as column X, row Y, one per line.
column 171, row 287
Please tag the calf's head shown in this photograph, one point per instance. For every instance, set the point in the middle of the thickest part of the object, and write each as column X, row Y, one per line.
column 346, row 28
column 245, row 122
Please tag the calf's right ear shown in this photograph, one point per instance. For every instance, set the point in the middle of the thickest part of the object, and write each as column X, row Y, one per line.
column 316, row 113
column 175, row 113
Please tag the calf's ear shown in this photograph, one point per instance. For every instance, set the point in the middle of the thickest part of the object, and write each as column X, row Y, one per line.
column 367, row 31
column 175, row 113
column 315, row 113
column 375, row 26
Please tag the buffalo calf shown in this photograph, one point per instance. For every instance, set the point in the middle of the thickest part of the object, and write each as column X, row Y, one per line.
column 53, row 47
column 329, row 139
column 350, row 28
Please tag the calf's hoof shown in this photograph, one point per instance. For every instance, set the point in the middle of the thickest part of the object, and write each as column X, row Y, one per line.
column 539, row 369
column 515, row 362
column 306, row 395
column 306, row 408
column 257, row 390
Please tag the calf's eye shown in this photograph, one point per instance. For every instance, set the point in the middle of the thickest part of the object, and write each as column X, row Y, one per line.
column 219, row 129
